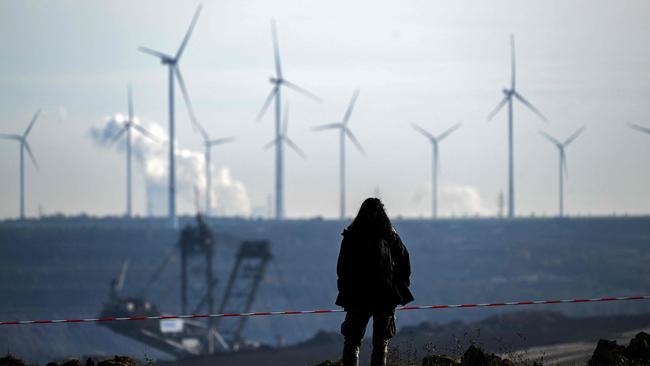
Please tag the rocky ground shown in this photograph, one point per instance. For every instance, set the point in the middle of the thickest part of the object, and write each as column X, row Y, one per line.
column 606, row 353
column 524, row 337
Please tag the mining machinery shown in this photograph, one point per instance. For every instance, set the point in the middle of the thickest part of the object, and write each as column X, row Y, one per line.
column 199, row 336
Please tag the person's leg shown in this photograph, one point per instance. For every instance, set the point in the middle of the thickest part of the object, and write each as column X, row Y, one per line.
column 383, row 329
column 353, row 329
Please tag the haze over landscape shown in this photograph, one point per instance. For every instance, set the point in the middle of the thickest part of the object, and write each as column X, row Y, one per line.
column 395, row 100
column 430, row 63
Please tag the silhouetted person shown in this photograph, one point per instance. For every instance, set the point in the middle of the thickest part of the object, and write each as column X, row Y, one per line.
column 373, row 278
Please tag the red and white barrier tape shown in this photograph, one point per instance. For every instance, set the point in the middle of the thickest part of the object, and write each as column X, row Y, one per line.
column 268, row 313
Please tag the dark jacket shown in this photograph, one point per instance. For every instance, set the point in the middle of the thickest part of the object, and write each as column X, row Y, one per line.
column 356, row 285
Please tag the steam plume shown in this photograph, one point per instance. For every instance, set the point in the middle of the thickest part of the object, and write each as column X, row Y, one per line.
column 229, row 195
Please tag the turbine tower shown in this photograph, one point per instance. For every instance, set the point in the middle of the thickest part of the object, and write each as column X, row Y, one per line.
column 562, row 165
column 208, row 144
column 436, row 158
column 24, row 145
column 278, row 81
column 283, row 138
column 344, row 131
column 174, row 72
column 509, row 94
column 126, row 129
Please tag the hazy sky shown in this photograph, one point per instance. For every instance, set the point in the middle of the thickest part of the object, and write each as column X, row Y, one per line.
column 434, row 63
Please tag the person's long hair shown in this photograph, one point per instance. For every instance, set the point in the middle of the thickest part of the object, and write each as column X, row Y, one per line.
column 372, row 220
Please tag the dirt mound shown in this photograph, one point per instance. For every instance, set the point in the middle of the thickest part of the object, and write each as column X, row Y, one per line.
column 10, row 360
column 473, row 356
column 610, row 353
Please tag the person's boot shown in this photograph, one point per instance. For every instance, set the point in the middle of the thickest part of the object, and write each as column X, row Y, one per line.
column 379, row 354
column 350, row 354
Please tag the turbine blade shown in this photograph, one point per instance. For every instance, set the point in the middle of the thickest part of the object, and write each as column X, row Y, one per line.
column 328, row 126
column 10, row 137
column 530, row 106
column 423, row 131
column 448, row 132
column 145, row 132
column 221, row 141
column 348, row 112
column 30, row 153
column 295, row 148
column 550, row 138
column 271, row 143
column 202, row 131
column 188, row 33
column 267, row 102
column 186, row 97
column 301, row 90
column 512, row 62
column 130, row 101
column 498, row 108
column 154, row 53
column 639, row 127
column 574, row 136
column 118, row 135
column 354, row 140
column 31, row 123
column 276, row 50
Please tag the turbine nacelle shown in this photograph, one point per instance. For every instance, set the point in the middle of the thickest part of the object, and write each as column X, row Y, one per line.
column 168, row 61
column 343, row 125
column 275, row 81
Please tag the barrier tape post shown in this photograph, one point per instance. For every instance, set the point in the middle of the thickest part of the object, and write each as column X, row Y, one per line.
column 270, row 313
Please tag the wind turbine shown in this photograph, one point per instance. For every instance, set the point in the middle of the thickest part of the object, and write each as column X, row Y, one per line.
column 344, row 131
column 126, row 129
column 436, row 158
column 562, row 166
column 507, row 99
column 209, row 143
column 283, row 138
column 278, row 81
column 174, row 72
column 24, row 145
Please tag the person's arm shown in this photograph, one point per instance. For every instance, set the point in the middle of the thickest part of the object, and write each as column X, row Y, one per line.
column 403, row 262
column 342, row 263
